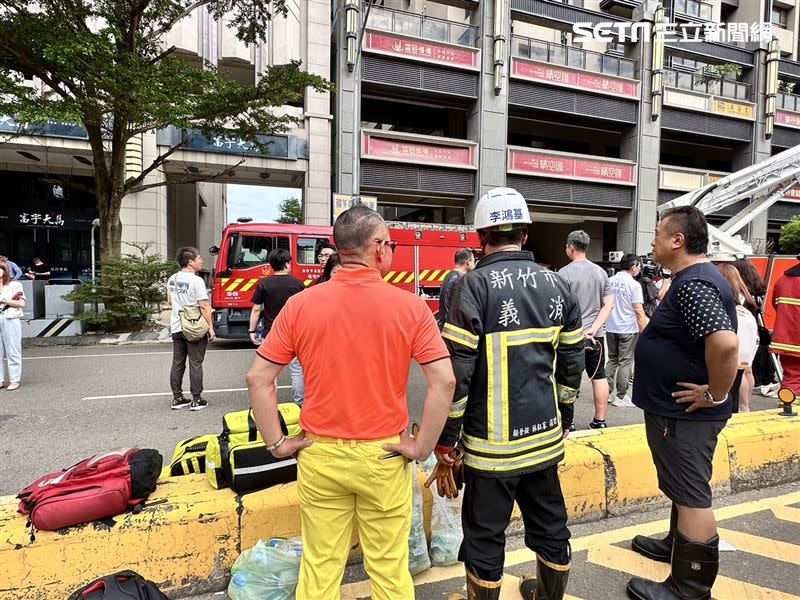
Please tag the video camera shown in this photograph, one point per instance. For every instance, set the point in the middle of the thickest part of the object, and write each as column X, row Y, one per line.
column 652, row 270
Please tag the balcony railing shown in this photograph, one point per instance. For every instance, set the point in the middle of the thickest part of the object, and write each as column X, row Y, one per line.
column 420, row 26
column 788, row 101
column 569, row 56
column 693, row 8
column 707, row 84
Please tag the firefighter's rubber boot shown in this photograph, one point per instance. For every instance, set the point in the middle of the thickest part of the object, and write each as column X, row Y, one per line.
column 654, row 548
column 694, row 569
column 478, row 589
column 549, row 583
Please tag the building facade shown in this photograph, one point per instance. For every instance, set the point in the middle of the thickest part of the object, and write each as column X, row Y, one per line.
column 442, row 101
column 42, row 216
column 452, row 98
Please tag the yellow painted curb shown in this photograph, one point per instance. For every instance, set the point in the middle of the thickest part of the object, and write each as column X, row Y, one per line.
column 189, row 535
column 274, row 512
column 186, row 538
column 583, row 482
column 764, row 449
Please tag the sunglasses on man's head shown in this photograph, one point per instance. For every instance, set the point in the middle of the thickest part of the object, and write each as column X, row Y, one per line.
column 391, row 243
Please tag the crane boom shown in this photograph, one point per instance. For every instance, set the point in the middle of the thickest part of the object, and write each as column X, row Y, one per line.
column 763, row 184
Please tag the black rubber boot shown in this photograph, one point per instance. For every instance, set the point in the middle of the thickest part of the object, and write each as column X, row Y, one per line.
column 694, row 570
column 654, row 548
column 478, row 589
column 550, row 582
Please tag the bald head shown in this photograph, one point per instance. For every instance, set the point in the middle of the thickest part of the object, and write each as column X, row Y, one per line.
column 356, row 227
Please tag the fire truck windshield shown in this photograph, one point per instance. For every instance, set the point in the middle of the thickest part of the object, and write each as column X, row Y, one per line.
column 246, row 251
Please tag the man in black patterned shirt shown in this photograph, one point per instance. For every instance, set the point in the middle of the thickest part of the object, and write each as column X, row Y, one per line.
column 686, row 361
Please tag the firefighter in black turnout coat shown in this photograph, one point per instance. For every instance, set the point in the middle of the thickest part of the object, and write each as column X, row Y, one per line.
column 516, row 341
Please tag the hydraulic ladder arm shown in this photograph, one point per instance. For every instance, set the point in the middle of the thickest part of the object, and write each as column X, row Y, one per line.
column 763, row 184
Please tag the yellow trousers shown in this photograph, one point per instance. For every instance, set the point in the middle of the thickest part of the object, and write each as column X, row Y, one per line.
column 342, row 481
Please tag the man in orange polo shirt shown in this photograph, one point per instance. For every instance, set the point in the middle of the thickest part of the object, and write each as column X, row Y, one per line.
column 351, row 456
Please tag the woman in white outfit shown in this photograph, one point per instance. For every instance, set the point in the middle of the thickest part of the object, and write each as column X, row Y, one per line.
column 12, row 301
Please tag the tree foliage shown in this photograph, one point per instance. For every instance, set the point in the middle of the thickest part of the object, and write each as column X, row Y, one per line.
column 106, row 65
column 291, row 211
column 130, row 289
column 790, row 236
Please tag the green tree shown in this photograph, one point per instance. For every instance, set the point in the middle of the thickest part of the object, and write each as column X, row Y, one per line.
column 790, row 236
column 291, row 212
column 130, row 289
column 107, row 66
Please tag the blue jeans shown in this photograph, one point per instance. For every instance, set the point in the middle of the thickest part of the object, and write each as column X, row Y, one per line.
column 298, row 383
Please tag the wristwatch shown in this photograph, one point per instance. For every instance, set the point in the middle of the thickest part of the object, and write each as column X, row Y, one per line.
column 709, row 398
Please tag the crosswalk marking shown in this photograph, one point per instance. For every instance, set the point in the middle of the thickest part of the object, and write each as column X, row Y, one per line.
column 786, row 513
column 601, row 547
column 761, row 546
column 725, row 588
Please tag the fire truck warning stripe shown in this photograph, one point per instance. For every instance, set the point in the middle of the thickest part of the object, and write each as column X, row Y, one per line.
column 400, row 277
column 424, row 274
column 410, row 278
column 236, row 283
column 389, row 275
column 434, row 275
column 308, row 282
column 444, row 275
column 248, row 285
column 224, row 280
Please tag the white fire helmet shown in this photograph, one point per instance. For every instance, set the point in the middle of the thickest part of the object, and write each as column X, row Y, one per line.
column 501, row 208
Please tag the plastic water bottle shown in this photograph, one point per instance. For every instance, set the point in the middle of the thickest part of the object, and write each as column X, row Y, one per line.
column 237, row 590
column 260, row 331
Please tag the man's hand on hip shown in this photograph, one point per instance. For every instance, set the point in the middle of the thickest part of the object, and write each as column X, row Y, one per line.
column 694, row 394
column 408, row 447
column 292, row 446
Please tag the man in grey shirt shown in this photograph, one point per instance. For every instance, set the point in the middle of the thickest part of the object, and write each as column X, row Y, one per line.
column 590, row 284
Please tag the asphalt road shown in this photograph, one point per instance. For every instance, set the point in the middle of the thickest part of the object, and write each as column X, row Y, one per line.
column 77, row 401
column 760, row 528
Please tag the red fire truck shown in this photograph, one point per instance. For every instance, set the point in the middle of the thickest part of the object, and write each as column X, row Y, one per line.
column 422, row 259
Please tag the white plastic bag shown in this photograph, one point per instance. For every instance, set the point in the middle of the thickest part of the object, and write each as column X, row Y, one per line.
column 418, row 559
column 267, row 571
column 446, row 532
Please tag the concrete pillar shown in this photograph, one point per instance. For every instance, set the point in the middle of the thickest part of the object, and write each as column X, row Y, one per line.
column 346, row 95
column 760, row 147
column 212, row 212
column 487, row 121
column 144, row 214
column 317, row 187
column 641, row 143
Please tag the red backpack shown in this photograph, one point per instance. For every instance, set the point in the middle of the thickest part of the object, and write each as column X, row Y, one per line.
column 99, row 487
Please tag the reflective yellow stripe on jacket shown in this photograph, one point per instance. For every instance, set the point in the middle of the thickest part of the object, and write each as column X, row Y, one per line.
column 791, row 301
column 460, row 336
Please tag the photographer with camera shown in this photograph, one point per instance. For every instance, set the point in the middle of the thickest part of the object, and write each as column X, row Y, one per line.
column 655, row 284
column 12, row 301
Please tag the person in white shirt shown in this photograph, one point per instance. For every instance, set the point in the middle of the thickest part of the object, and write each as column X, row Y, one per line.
column 185, row 289
column 626, row 321
column 12, row 301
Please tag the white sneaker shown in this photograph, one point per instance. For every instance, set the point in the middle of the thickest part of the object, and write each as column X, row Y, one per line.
column 626, row 401
column 770, row 391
